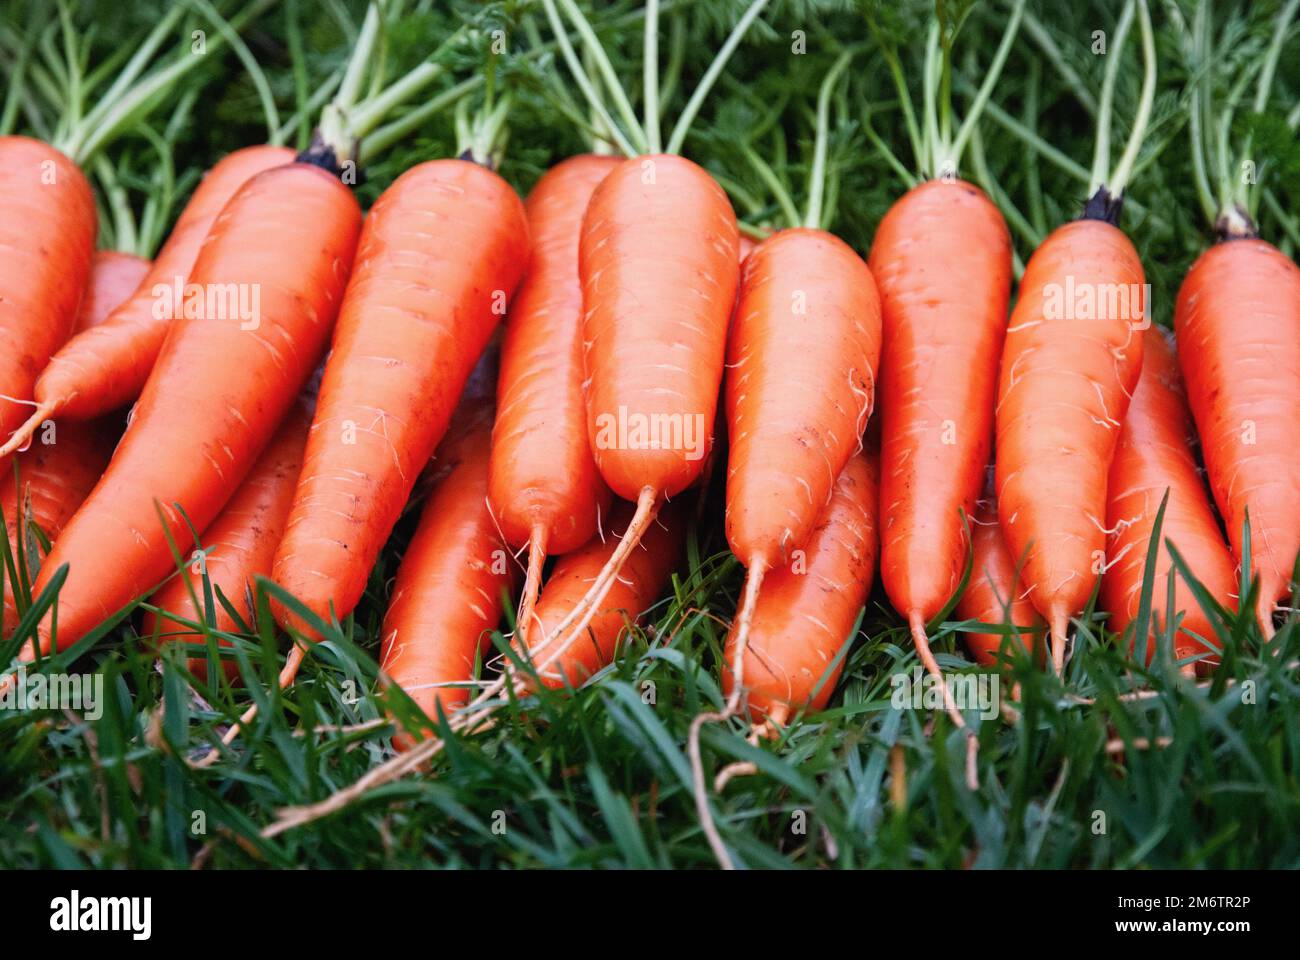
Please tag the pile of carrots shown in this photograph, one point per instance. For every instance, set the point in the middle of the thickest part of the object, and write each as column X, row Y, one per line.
column 560, row 376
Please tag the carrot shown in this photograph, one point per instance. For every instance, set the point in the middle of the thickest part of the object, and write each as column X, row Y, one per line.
column 1064, row 391
column 995, row 592
column 942, row 256
column 1238, row 322
column 1237, row 317
column 47, row 234
column 59, row 470
column 643, row 578
column 659, row 263
column 802, row 358
column 1070, row 364
column 105, row 366
column 55, row 478
column 1154, row 456
column 114, row 276
column 810, row 603
column 447, row 599
column 239, row 545
column 216, row 394
column 543, row 485
column 442, row 249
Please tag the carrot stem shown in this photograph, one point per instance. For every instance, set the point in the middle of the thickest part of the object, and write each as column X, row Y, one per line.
column 583, row 79
column 711, row 75
column 1120, row 176
column 817, row 177
column 1101, row 147
column 650, row 73
column 986, row 89
column 607, row 73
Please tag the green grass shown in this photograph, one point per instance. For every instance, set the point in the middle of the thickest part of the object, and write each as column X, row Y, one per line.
column 600, row 776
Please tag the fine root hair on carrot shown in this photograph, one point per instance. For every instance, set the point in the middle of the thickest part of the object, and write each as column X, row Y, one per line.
column 1138, row 743
column 741, row 768
column 647, row 507
column 474, row 717
column 730, row 708
column 768, row 729
column 922, row 642
column 22, row 437
column 532, row 584
column 898, row 778
column 287, row 675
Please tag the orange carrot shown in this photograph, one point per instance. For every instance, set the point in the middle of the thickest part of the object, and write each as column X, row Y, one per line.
column 239, row 545
column 995, row 592
column 47, row 235
column 659, row 263
column 1238, row 324
column 802, row 357
column 114, row 276
column 448, row 594
column 442, row 249
column 217, row 393
column 1153, row 456
column 942, row 257
column 643, row 578
column 659, row 266
column 105, row 367
column 56, row 474
column 1072, row 358
column 809, row 604
column 543, row 485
